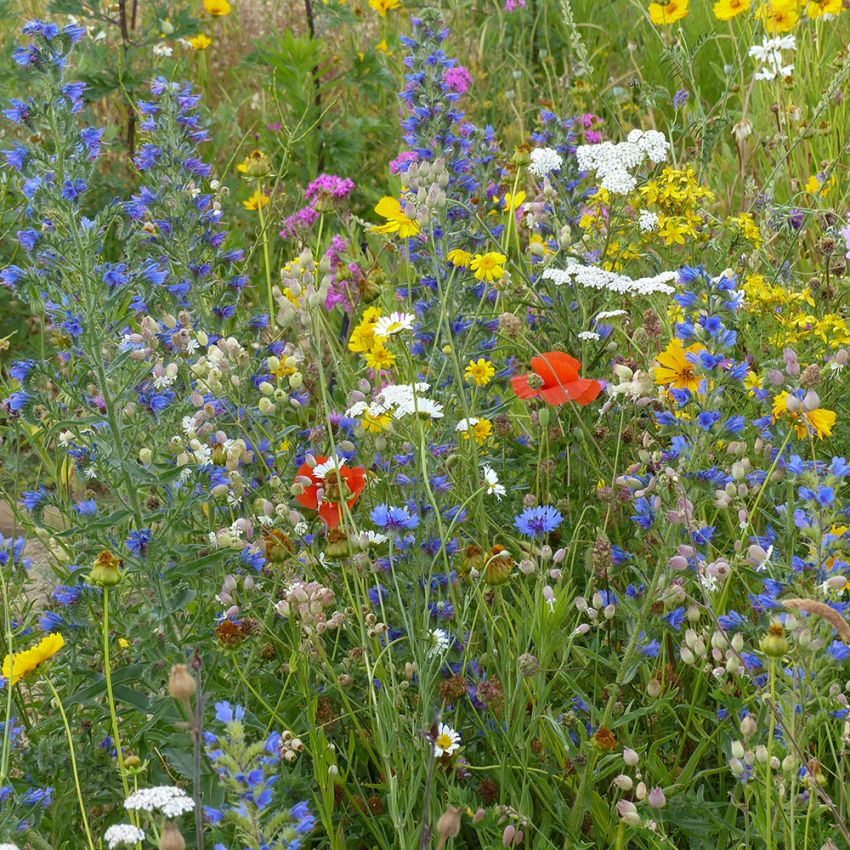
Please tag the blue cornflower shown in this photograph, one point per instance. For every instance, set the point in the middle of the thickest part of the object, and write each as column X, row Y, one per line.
column 535, row 522
column 393, row 518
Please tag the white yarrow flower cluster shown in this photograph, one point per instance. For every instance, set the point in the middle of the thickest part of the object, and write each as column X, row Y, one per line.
column 544, row 161
column 593, row 277
column 610, row 314
column 769, row 54
column 647, row 221
column 590, row 336
column 9, row 847
column 398, row 400
column 120, row 833
column 166, row 799
column 614, row 164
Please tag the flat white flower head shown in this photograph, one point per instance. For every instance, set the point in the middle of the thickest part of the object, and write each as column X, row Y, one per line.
column 544, row 161
column 165, row 799
column 117, row 835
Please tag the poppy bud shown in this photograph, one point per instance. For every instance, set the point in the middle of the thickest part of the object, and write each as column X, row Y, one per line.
column 774, row 643
column 171, row 838
column 105, row 570
column 181, row 683
column 448, row 826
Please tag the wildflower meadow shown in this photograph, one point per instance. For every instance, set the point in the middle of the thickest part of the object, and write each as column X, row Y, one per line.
column 425, row 426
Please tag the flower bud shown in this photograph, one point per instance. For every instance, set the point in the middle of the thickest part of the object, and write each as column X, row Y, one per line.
column 448, row 826
column 774, row 644
column 656, row 798
column 181, row 683
column 171, row 838
column 628, row 813
column 630, row 757
column 105, row 570
column 623, row 782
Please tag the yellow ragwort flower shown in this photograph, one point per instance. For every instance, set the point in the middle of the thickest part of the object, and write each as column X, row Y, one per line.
column 200, row 41
column 725, row 10
column 16, row 666
column 489, row 266
column 217, row 8
column 816, row 8
column 397, row 220
column 668, row 13
column 675, row 367
column 384, row 6
column 363, row 336
column 778, row 15
column 479, row 372
column 459, row 259
column 378, row 357
column 257, row 200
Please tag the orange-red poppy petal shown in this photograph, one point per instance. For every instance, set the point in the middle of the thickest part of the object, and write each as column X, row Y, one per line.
column 519, row 383
column 556, row 367
column 586, row 390
column 331, row 513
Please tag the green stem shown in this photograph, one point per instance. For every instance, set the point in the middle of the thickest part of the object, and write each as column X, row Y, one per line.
column 264, row 236
column 768, row 798
column 108, row 674
column 73, row 763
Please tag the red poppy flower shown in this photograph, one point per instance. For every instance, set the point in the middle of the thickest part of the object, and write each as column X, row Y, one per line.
column 556, row 380
column 326, row 494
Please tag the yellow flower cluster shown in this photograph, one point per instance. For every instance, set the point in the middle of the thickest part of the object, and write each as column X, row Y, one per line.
column 747, row 226
column 777, row 16
column 675, row 196
column 363, row 340
column 791, row 313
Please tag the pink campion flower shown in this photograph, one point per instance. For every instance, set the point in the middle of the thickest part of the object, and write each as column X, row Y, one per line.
column 512, row 5
column 296, row 224
column 329, row 186
column 458, row 79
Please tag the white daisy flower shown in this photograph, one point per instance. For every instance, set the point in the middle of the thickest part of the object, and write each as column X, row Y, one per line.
column 447, row 741
column 440, row 642
column 393, row 324
column 491, row 479
column 321, row 470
